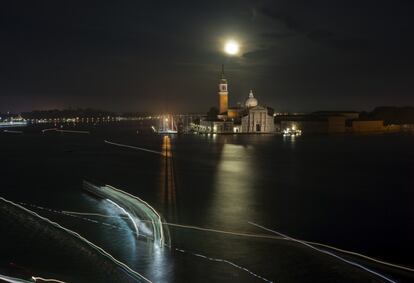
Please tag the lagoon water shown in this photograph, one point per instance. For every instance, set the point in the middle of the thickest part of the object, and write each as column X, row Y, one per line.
column 354, row 192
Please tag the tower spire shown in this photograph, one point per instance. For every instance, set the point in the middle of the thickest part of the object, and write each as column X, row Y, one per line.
column 222, row 71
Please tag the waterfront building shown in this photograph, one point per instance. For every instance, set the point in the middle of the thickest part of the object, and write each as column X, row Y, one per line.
column 248, row 118
column 322, row 122
column 359, row 126
column 312, row 123
column 256, row 118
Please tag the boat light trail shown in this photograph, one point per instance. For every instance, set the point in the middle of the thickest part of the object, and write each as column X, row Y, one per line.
column 233, row 233
column 48, row 130
column 12, row 279
column 76, row 215
column 133, row 147
column 12, row 132
column 37, row 278
column 326, row 252
column 127, row 214
column 69, row 213
column 224, row 261
column 120, row 264
column 65, row 131
column 135, row 207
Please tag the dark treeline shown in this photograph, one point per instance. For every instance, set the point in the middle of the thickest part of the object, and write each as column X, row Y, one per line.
column 66, row 113
column 391, row 115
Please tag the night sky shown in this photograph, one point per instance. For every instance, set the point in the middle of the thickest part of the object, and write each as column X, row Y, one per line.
column 166, row 55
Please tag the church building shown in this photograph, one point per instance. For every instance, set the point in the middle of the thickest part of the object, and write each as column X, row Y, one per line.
column 255, row 118
column 248, row 118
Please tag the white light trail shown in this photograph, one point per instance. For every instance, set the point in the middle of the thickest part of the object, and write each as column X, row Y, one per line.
column 326, row 252
column 75, row 132
column 234, row 233
column 127, row 214
column 76, row 215
column 225, row 261
column 65, row 131
column 122, row 265
column 48, row 130
column 12, row 132
column 37, row 278
column 159, row 220
column 133, row 147
column 12, row 279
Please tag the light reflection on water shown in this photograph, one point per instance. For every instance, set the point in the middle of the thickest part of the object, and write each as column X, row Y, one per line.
column 233, row 185
column 297, row 172
column 168, row 193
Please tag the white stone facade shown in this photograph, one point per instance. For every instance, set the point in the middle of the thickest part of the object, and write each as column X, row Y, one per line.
column 257, row 120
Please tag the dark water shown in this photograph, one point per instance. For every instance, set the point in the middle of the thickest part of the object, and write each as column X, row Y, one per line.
column 353, row 192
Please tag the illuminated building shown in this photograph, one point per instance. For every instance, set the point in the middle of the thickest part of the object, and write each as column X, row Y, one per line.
column 256, row 118
column 249, row 118
column 223, row 94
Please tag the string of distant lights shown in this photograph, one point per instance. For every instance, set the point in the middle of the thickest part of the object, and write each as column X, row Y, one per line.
column 133, row 147
column 122, row 265
column 326, row 252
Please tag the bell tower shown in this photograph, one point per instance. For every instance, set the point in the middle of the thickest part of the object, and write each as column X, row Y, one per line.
column 223, row 93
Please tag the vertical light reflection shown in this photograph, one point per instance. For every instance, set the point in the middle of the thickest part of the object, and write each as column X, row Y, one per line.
column 233, row 187
column 167, row 179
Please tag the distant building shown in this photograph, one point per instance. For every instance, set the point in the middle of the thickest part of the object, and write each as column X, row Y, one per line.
column 313, row 123
column 359, row 126
column 217, row 127
column 331, row 122
column 347, row 114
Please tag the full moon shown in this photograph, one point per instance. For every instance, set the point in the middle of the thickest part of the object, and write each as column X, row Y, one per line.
column 231, row 47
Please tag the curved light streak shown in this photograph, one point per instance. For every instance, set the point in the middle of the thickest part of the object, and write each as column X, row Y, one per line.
column 135, row 206
column 326, row 252
column 156, row 226
column 122, row 265
column 128, row 215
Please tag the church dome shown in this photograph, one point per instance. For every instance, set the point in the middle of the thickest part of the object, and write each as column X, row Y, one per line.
column 251, row 101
